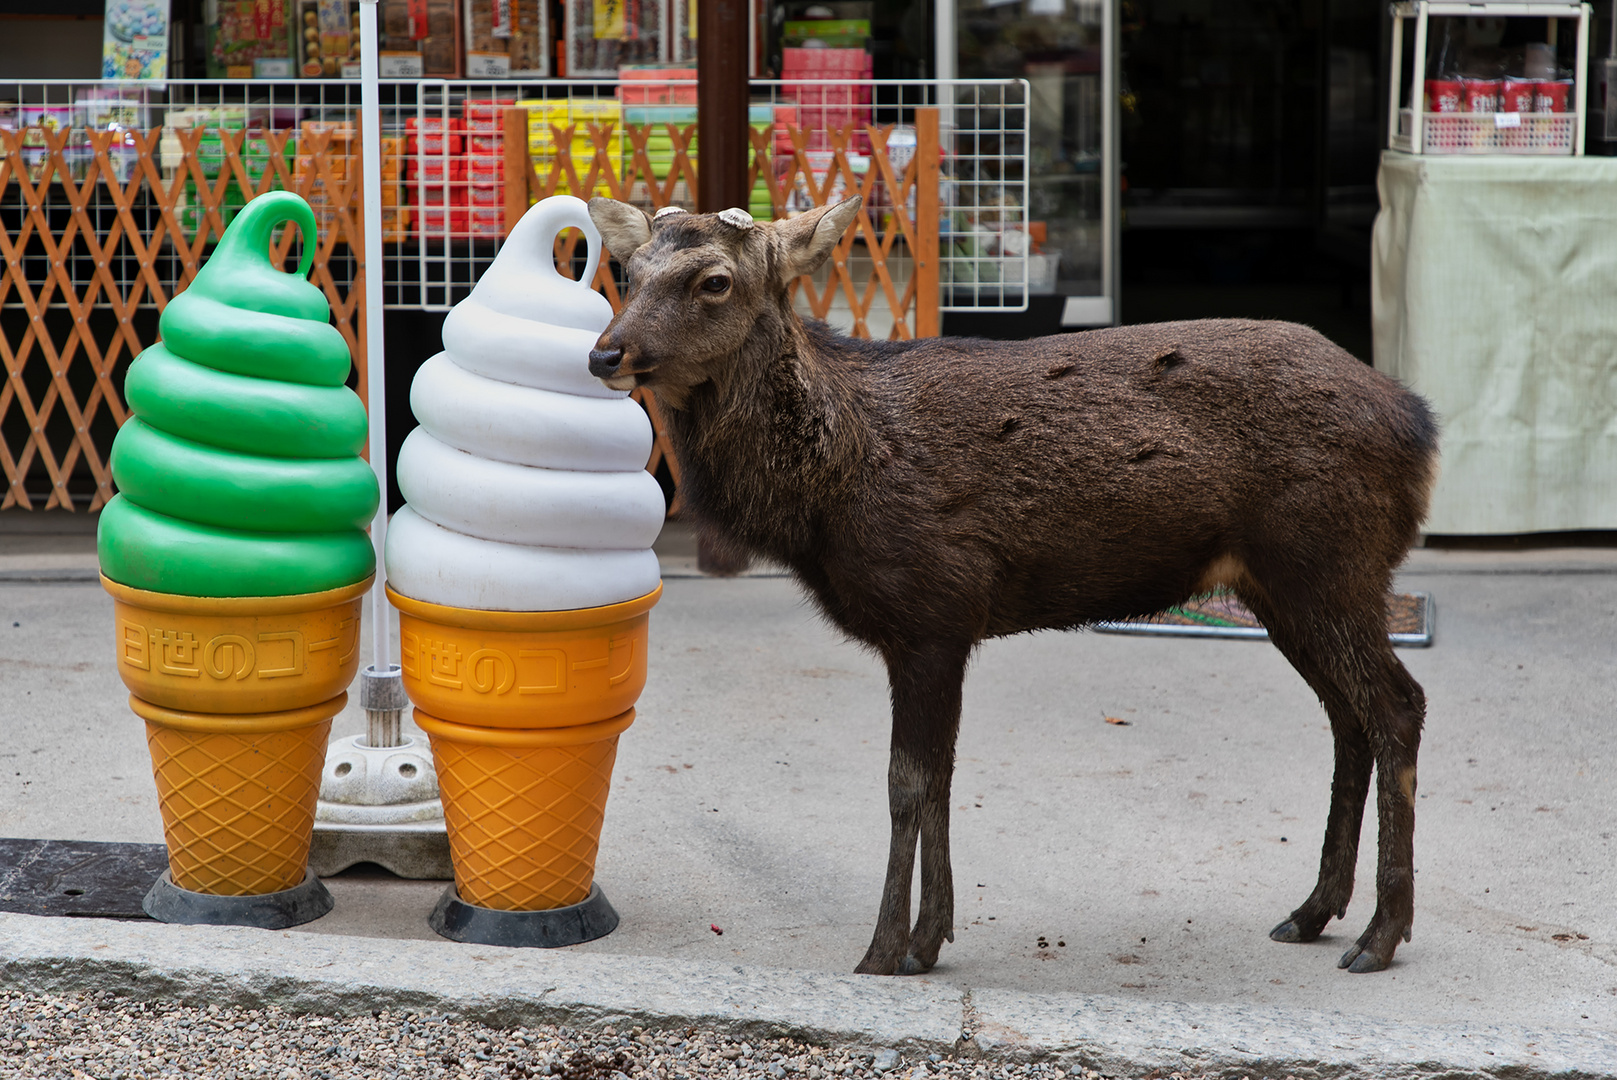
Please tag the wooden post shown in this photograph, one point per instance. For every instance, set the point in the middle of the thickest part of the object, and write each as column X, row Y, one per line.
column 721, row 132
column 516, row 167
column 721, row 104
column 927, row 222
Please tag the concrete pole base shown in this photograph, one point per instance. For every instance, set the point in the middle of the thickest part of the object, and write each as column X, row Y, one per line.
column 415, row 850
column 379, row 804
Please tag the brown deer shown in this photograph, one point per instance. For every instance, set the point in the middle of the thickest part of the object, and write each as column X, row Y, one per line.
column 933, row 493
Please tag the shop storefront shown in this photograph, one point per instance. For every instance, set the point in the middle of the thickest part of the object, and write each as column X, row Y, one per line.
column 1076, row 163
column 116, row 190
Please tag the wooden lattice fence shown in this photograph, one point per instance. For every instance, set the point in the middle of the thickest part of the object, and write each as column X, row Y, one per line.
column 96, row 245
column 912, row 305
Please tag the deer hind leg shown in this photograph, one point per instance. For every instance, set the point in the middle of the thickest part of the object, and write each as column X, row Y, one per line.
column 1376, row 709
column 1395, row 736
column 925, row 688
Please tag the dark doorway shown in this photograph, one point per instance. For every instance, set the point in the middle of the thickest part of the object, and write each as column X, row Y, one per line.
column 1251, row 131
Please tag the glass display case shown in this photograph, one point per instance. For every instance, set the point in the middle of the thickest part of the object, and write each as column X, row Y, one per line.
column 1066, row 50
column 1488, row 78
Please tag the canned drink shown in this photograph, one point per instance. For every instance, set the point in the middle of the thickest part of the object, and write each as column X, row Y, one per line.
column 1481, row 95
column 1517, row 95
column 1443, row 95
column 1552, row 95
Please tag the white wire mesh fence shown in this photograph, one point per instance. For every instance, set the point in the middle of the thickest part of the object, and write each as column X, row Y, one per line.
column 217, row 143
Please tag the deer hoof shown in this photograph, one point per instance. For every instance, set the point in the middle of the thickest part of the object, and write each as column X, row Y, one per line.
column 1288, row 932
column 1360, row 961
column 876, row 963
column 911, row 965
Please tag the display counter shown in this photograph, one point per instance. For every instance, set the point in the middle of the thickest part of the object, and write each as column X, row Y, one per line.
column 1494, row 294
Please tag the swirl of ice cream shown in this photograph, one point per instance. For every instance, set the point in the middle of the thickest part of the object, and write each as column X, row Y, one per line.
column 239, row 472
column 526, row 480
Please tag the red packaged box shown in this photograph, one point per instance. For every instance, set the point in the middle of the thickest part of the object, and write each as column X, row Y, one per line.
column 484, row 144
column 433, row 144
column 435, row 169
column 485, row 221
column 451, row 194
column 1517, row 96
column 798, row 63
column 485, row 195
column 484, row 169
column 1552, row 96
column 486, row 110
column 1480, row 95
column 827, row 94
column 413, row 124
column 437, row 221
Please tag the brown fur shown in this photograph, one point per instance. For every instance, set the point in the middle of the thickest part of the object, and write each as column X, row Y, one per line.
column 930, row 494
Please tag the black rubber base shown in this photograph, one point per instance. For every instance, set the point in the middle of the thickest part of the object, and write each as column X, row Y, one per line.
column 592, row 918
column 167, row 902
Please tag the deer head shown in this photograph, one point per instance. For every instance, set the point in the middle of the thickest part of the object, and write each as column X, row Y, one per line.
column 701, row 286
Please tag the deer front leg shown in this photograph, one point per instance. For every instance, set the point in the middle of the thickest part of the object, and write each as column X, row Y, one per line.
column 936, row 922
column 925, row 688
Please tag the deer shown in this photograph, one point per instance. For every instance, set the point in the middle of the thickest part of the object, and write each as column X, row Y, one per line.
column 929, row 494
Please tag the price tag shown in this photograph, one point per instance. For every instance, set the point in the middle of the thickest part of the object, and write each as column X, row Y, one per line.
column 480, row 65
column 1507, row 119
column 399, row 65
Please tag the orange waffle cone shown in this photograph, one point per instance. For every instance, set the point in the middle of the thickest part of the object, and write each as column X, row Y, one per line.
column 524, row 808
column 237, row 793
column 237, row 654
column 523, row 669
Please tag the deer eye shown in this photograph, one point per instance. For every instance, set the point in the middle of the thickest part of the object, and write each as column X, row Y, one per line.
column 716, row 284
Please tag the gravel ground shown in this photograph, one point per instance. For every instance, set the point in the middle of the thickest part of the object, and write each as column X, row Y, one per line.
column 112, row 1038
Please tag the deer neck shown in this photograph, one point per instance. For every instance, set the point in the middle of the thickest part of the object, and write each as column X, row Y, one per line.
column 770, row 451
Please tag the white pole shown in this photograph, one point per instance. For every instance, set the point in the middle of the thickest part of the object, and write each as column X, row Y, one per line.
column 370, row 150
column 944, row 44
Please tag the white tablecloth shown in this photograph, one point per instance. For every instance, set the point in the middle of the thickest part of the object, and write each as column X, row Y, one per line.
column 1494, row 294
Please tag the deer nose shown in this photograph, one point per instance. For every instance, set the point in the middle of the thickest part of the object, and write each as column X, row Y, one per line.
column 604, row 362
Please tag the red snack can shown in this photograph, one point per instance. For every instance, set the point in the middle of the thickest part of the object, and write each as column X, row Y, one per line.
column 1480, row 95
column 1517, row 96
column 1443, row 95
column 1552, row 96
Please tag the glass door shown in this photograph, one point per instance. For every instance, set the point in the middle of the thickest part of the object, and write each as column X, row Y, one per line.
column 1066, row 50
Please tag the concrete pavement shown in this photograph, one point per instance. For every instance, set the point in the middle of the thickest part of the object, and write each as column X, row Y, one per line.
column 1151, row 858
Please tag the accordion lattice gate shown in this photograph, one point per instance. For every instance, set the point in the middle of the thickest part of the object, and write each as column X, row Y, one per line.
column 97, row 242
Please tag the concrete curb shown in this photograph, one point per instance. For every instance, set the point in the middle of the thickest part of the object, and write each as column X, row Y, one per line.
column 343, row 975
column 1118, row 1037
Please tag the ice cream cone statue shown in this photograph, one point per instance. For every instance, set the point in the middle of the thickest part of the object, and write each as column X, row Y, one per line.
column 236, row 556
column 523, row 574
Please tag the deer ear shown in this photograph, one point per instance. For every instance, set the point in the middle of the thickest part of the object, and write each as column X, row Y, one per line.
column 624, row 228
column 808, row 239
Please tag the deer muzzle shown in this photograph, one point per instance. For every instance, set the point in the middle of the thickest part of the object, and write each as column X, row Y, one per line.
column 604, row 363
column 608, row 366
